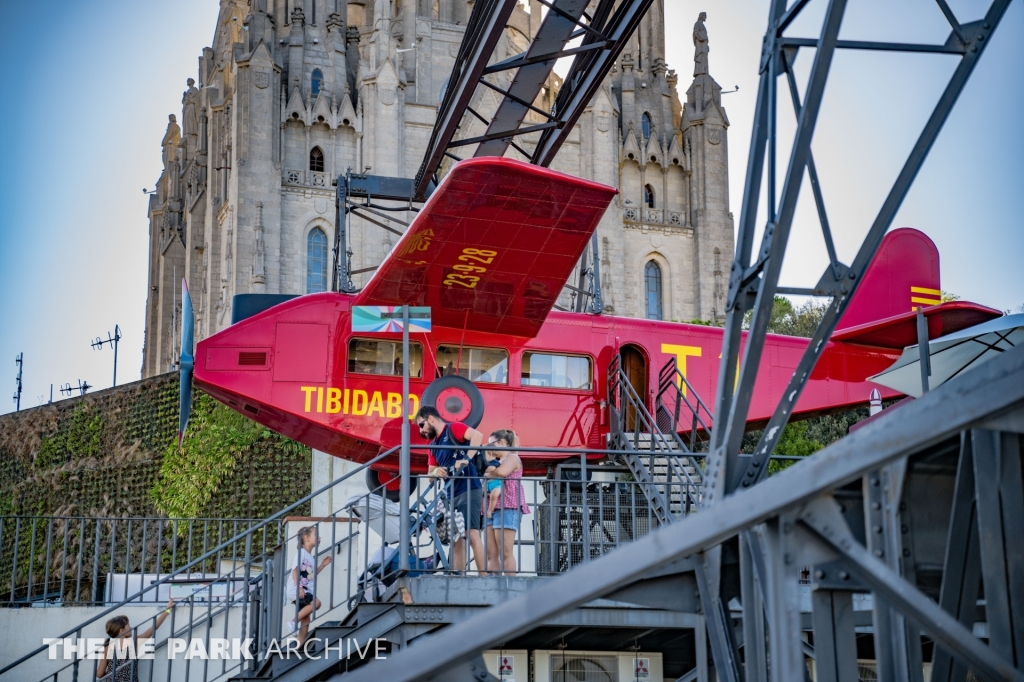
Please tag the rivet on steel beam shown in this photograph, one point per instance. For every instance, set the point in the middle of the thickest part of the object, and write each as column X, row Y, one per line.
column 877, row 529
column 879, row 553
column 819, row 574
column 843, row 575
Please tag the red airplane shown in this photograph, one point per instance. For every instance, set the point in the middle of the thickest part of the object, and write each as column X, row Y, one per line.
column 489, row 253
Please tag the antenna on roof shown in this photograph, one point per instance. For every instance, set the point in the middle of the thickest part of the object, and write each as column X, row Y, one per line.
column 20, row 362
column 112, row 340
column 68, row 389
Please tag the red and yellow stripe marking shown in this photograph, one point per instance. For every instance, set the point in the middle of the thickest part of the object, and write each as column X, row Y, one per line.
column 935, row 296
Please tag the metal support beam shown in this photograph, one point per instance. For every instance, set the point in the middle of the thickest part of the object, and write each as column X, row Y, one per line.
column 719, row 626
column 730, row 433
column 588, row 71
column 824, row 518
column 485, row 27
column 755, row 657
column 727, row 436
column 835, row 643
column 1000, row 510
column 992, row 388
column 961, row 569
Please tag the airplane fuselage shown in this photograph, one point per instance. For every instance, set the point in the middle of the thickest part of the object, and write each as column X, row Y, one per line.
column 299, row 369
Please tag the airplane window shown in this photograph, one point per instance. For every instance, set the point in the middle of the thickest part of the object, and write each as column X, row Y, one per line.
column 556, row 371
column 480, row 365
column 366, row 356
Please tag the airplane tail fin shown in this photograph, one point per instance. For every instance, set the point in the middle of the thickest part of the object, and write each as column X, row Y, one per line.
column 903, row 276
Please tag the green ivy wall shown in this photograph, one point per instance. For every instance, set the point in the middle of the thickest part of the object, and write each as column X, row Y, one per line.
column 114, row 453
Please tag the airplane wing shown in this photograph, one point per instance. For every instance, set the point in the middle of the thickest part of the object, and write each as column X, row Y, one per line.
column 899, row 331
column 492, row 247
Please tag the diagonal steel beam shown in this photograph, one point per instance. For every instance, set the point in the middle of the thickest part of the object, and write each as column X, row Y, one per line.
column 588, row 71
column 486, row 25
column 518, row 100
column 825, row 519
column 727, row 436
column 961, row 571
column 992, row 388
column 719, row 626
column 756, row 467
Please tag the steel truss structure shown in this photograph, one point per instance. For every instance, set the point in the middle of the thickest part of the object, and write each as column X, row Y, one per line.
column 853, row 514
column 603, row 34
column 846, row 513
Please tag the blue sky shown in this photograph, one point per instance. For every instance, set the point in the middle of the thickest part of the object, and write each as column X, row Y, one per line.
column 89, row 89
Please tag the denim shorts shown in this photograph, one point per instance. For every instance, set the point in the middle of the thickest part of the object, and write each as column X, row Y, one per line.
column 505, row 518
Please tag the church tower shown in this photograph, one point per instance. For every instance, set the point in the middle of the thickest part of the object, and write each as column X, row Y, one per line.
column 293, row 93
column 666, row 238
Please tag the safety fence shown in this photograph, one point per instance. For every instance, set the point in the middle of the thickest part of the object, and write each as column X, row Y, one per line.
column 83, row 561
column 230, row 578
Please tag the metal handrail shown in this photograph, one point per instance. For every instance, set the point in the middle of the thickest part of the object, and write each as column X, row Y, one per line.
column 245, row 535
column 671, row 382
column 621, row 393
column 79, row 550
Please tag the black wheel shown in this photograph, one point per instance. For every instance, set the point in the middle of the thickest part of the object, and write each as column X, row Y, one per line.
column 376, row 479
column 457, row 399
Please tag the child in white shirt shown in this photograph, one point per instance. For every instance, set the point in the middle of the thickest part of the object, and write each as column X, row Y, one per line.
column 302, row 581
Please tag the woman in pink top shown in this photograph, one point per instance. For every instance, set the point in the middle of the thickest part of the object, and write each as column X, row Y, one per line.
column 503, row 523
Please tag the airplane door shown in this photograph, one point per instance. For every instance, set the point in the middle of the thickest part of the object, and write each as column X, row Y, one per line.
column 634, row 364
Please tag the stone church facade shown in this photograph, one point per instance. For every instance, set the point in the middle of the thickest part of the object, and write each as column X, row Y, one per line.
column 295, row 92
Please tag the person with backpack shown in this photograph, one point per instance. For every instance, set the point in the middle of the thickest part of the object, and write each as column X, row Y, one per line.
column 467, row 492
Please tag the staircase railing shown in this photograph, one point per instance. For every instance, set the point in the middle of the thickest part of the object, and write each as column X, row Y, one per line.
column 55, row 561
column 678, row 407
column 242, row 587
column 648, row 448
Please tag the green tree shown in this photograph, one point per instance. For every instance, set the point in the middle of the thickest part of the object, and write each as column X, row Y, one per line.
column 791, row 320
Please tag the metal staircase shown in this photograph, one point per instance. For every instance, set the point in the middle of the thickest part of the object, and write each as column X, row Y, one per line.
column 660, row 459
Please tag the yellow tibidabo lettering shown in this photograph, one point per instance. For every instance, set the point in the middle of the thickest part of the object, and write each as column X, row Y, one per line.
column 681, row 353
column 376, row 404
column 308, row 390
column 394, row 405
column 360, row 401
column 333, row 400
column 336, row 400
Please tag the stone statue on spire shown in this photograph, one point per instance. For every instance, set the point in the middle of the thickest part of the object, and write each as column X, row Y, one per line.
column 190, row 109
column 700, row 46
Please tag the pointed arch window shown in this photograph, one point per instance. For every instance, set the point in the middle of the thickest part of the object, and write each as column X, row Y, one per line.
column 645, row 125
column 316, row 159
column 316, row 82
column 652, row 290
column 649, row 196
column 316, row 261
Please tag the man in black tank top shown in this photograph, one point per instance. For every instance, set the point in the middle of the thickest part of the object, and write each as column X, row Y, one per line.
column 467, row 492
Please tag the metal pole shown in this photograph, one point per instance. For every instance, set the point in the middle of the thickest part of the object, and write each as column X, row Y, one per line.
column 117, row 337
column 923, row 350
column 20, row 361
column 403, row 458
